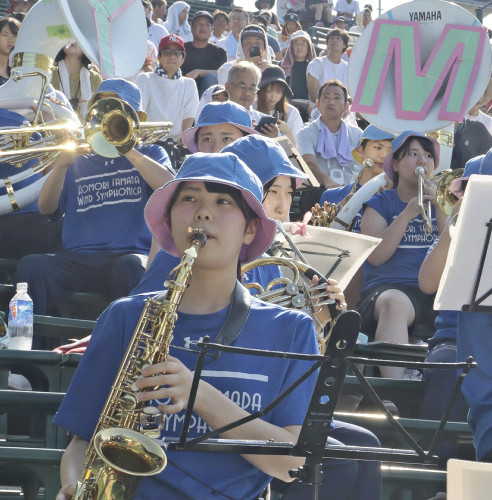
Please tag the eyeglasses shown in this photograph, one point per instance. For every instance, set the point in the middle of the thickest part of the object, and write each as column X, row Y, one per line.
column 169, row 52
column 245, row 88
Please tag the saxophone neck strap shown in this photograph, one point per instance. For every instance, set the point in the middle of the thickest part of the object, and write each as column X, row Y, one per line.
column 237, row 317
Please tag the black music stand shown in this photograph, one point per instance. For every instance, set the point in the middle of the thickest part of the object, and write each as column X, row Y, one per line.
column 333, row 366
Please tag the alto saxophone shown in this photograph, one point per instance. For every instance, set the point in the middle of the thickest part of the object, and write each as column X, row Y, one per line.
column 121, row 451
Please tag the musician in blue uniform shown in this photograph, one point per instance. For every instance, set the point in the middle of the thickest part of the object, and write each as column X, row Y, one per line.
column 391, row 300
column 219, row 195
column 105, row 239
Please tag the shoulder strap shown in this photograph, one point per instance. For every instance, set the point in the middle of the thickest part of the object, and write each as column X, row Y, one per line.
column 238, row 314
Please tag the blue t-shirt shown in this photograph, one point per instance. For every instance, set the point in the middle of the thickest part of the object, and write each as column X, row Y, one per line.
column 250, row 382
column 163, row 263
column 103, row 200
column 404, row 265
column 338, row 194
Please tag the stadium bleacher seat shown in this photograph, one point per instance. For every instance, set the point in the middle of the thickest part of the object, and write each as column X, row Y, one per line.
column 411, row 483
column 33, row 469
column 65, row 329
column 7, row 270
column 82, row 305
column 421, row 430
column 32, row 413
column 41, row 368
column 401, row 392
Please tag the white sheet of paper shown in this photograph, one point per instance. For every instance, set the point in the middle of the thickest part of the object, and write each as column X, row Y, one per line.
column 323, row 248
column 460, row 273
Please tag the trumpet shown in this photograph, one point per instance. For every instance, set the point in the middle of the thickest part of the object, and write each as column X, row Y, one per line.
column 446, row 197
column 425, row 210
column 112, row 128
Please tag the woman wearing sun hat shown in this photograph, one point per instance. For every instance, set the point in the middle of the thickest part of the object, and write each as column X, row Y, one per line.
column 219, row 195
column 299, row 54
column 272, row 98
column 391, row 301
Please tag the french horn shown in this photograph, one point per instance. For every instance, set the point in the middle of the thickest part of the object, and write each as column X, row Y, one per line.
column 296, row 291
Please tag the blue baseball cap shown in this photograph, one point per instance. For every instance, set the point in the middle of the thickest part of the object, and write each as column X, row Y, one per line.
column 222, row 168
column 265, row 157
column 216, row 113
column 398, row 143
column 371, row 133
column 124, row 89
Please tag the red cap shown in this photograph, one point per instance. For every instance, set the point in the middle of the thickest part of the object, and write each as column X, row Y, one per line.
column 171, row 39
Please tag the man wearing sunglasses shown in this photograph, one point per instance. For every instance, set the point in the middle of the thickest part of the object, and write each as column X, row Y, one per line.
column 167, row 95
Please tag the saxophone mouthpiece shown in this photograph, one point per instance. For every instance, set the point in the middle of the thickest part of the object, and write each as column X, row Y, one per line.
column 368, row 163
column 198, row 235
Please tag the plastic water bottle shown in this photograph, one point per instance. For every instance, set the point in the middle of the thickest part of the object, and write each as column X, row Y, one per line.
column 20, row 325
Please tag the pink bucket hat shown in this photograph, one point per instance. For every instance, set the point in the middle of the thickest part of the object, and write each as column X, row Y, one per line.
column 222, row 168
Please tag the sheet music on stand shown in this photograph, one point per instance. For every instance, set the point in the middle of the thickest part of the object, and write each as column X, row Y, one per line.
column 335, row 254
column 466, row 282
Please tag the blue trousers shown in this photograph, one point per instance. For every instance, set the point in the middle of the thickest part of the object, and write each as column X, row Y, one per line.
column 51, row 277
column 344, row 479
column 475, row 339
column 439, row 385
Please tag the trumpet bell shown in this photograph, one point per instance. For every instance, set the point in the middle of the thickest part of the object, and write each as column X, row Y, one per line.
column 111, row 127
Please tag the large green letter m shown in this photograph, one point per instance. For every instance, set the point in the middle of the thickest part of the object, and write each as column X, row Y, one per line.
column 458, row 53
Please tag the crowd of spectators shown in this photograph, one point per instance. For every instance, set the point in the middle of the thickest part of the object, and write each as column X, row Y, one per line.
column 278, row 84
